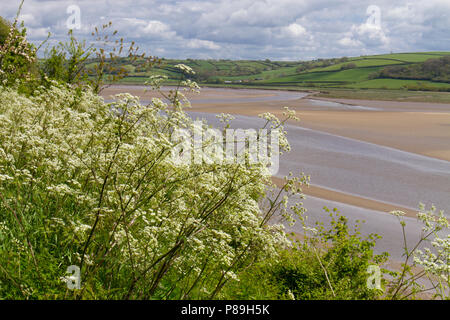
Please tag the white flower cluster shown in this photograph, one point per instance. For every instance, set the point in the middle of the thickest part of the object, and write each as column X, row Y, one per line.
column 101, row 178
column 435, row 261
column 185, row 68
column 16, row 47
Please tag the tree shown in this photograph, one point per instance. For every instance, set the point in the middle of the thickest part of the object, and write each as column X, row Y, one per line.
column 348, row 66
column 17, row 55
column 5, row 27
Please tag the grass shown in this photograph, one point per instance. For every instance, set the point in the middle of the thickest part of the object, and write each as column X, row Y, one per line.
column 387, row 95
column 395, row 84
column 360, row 62
column 286, row 75
column 362, row 94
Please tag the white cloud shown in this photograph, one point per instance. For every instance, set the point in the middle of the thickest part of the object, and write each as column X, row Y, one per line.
column 142, row 28
column 294, row 30
column 370, row 35
column 202, row 44
column 251, row 29
column 29, row 20
column 38, row 33
column 349, row 42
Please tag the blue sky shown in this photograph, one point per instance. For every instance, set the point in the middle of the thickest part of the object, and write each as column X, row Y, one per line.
column 243, row 29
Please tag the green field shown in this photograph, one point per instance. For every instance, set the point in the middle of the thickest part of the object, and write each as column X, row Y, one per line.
column 339, row 73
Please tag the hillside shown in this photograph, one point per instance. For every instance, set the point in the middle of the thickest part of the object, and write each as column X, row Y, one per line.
column 436, row 70
column 350, row 73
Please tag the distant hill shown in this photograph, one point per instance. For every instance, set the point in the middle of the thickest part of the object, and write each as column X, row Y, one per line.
column 436, row 69
column 387, row 71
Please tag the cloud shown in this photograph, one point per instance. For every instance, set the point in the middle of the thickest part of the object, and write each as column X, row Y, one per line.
column 252, row 29
column 294, row 30
column 202, row 44
column 29, row 20
column 348, row 41
column 366, row 36
column 369, row 34
column 152, row 29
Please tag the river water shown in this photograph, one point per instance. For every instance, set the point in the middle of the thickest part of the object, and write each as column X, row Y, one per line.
column 362, row 169
column 349, row 166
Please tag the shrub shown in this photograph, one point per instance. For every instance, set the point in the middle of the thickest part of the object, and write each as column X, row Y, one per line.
column 437, row 69
column 424, row 270
column 92, row 184
column 4, row 29
column 330, row 264
column 17, row 56
column 68, row 61
column 348, row 66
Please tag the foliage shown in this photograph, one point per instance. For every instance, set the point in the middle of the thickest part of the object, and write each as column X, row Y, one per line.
column 437, row 70
column 348, row 66
column 424, row 270
column 68, row 61
column 424, row 87
column 17, row 56
column 4, row 29
column 329, row 264
column 93, row 184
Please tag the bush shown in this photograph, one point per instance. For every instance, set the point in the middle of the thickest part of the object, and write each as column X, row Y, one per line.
column 4, row 30
column 348, row 66
column 331, row 264
column 424, row 87
column 17, row 56
column 68, row 61
column 94, row 185
column 437, row 69
column 427, row 270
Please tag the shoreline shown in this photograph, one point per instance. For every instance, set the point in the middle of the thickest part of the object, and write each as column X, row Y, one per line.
column 350, row 199
column 384, row 95
column 403, row 126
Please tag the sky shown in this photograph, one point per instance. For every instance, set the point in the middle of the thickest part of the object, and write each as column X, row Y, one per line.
column 247, row 29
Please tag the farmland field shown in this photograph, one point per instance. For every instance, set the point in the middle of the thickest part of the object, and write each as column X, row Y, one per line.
column 351, row 73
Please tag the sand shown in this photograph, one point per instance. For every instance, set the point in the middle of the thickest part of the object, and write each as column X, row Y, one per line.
column 327, row 194
column 419, row 128
column 425, row 132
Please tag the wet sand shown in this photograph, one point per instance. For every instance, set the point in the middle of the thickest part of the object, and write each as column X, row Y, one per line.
column 361, row 202
column 425, row 132
column 422, row 128
column 380, row 169
column 352, row 171
column 210, row 96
